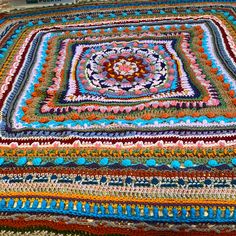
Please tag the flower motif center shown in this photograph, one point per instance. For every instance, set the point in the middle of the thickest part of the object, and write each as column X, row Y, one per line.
column 124, row 67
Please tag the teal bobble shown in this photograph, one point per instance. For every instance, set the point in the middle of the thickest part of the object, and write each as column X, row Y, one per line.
column 11, row 203
column 77, row 18
column 81, row 161
column 201, row 212
column 27, row 204
column 53, row 204
column 151, row 162
column 110, row 210
column 95, row 209
column 37, row 161
column 22, row 161
column 2, row 203
column 30, row 23
column 165, row 213
column 104, row 161
column 70, row 206
column 52, row 21
column 146, row 212
column 210, row 213
column 119, row 210
column 218, row 214
column 40, row 22
column 212, row 163
column 1, row 160
column 227, row 213
column 175, row 164
column 129, row 210
column 162, row 12
column 103, row 210
column 124, row 14
column 188, row 163
column 184, row 213
column 192, row 213
column 149, row 12
column 112, row 15
column 175, row 213
column 1, row 56
column 156, row 212
column 59, row 161
column 35, row 204
column 233, row 161
column 89, row 17
column 137, row 211
column 79, row 207
column 64, row 20
column 19, row 204
column 44, row 204
column 126, row 162
column 87, row 207
column 62, row 205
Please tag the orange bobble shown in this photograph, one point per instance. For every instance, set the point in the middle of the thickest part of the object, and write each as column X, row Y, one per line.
column 79, row 34
column 198, row 27
column 204, row 56
column 209, row 62
column 29, row 101
column 226, row 86
column 44, row 120
column 126, row 30
column 139, row 28
column 214, row 70
column 162, row 28
column 75, row 117
column 34, row 94
column 164, row 115
column 195, row 114
column 183, row 27
column 234, row 101
column 199, row 43
column 173, row 28
column 60, row 118
column 111, row 117
column 147, row 117
column 210, row 114
column 205, row 99
column 220, row 77
column 200, row 36
column 89, row 32
column 115, row 30
column 41, row 79
column 24, row 109
column 26, row 119
column 43, row 71
column 201, row 49
column 180, row 114
column 152, row 29
column 92, row 117
column 129, row 118
column 231, row 93
column 229, row 114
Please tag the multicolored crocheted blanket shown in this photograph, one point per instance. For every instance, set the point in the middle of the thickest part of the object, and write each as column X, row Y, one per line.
column 118, row 119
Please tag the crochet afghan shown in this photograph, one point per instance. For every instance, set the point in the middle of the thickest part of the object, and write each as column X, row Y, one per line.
column 118, row 119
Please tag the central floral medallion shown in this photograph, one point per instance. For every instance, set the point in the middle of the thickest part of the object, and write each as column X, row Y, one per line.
column 126, row 70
